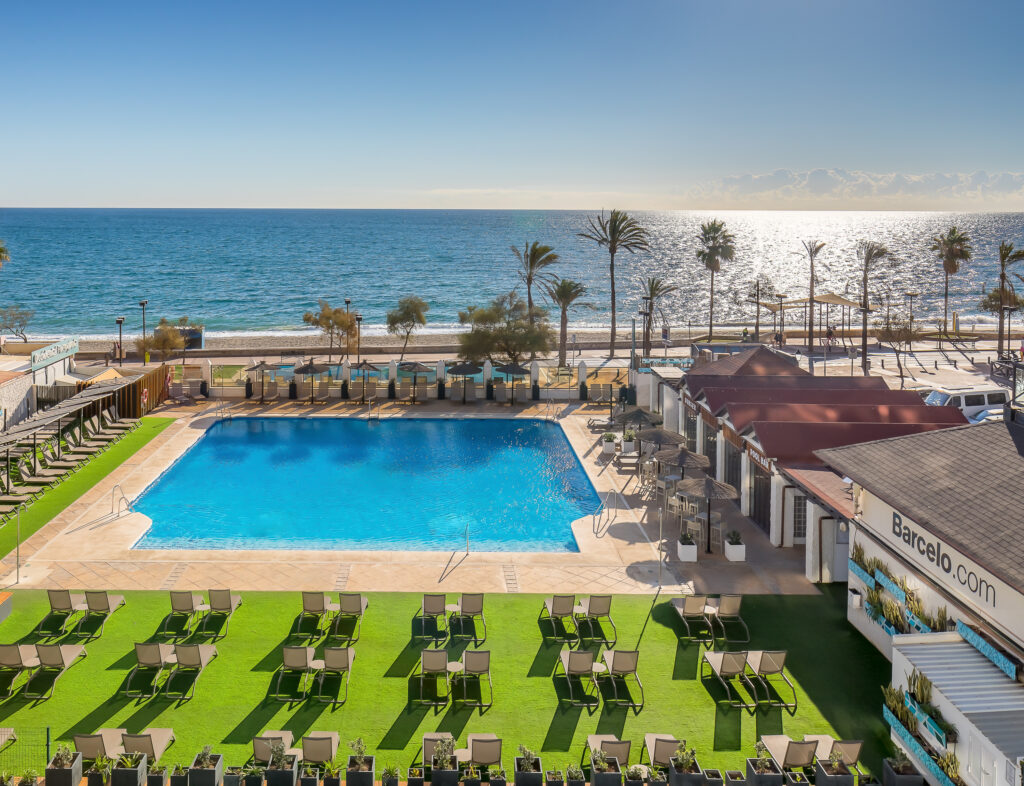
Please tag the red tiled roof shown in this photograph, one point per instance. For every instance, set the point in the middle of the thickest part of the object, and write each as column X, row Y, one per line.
column 759, row 361
column 695, row 384
column 743, row 414
column 825, row 484
column 795, row 442
column 717, row 398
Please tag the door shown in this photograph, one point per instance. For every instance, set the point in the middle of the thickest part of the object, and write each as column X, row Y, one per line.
column 711, row 449
column 761, row 499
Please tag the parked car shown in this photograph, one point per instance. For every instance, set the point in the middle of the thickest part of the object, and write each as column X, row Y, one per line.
column 992, row 413
column 969, row 400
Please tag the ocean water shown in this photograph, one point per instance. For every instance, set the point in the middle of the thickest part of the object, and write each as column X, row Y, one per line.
column 340, row 483
column 259, row 270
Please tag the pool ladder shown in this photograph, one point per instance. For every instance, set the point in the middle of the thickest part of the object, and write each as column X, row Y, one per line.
column 369, row 411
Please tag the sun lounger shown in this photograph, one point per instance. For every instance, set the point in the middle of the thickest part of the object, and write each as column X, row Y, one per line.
column 429, row 740
column 790, row 754
column 501, row 393
column 15, row 660
column 77, row 441
column 94, row 428
column 54, row 463
column 622, row 663
column 117, row 418
column 482, row 750
column 693, row 608
column 404, row 391
column 320, row 747
column 848, row 750
column 770, row 663
column 434, row 663
column 301, row 661
column 54, row 660
column 337, row 660
column 727, row 609
column 64, row 604
column 469, row 606
column 559, row 607
column 222, row 604
column 15, row 495
column 433, row 607
column 579, row 664
column 422, row 392
column 660, row 748
column 185, row 604
column 727, row 666
column 105, row 742
column 30, row 476
column 470, row 392
column 152, row 742
column 612, row 746
column 455, row 391
column 99, row 603
column 110, row 422
column 317, row 606
column 191, row 658
column 475, row 664
column 323, row 390
column 593, row 609
column 351, row 606
column 262, row 746
column 150, row 656
column 371, row 389
column 270, row 390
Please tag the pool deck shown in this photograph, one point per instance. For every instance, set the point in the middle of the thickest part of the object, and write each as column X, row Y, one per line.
column 85, row 548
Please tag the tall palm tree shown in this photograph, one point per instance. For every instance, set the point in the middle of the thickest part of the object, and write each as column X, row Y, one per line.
column 716, row 246
column 654, row 288
column 953, row 248
column 563, row 293
column 1008, row 257
column 532, row 261
column 813, row 249
column 869, row 254
column 620, row 231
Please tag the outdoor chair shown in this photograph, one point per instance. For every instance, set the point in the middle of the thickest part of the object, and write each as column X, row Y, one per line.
column 769, row 663
column 660, row 749
column 319, row 607
column 54, row 463
column 323, row 389
column 54, row 660
column 116, row 417
column 65, row 605
column 559, row 607
column 592, row 609
column 16, row 659
column 320, row 747
column 78, row 445
column 29, row 476
column 790, row 754
column 404, row 391
column 15, row 495
column 579, row 664
column 848, row 750
column 476, row 663
column 470, row 392
column 433, row 607
column 482, row 750
column 351, row 606
column 337, row 660
column 262, row 746
column 422, row 392
column 150, row 656
column 692, row 608
column 185, row 604
column 622, row 663
column 726, row 666
column 191, row 658
column 370, row 389
column 470, row 605
column 301, row 661
column 222, row 604
column 105, row 742
column 99, row 603
column 111, row 422
column 152, row 742
column 500, row 393
column 269, row 390
column 455, row 391
column 434, row 663
column 727, row 609
column 612, row 746
column 97, row 433
column 429, row 740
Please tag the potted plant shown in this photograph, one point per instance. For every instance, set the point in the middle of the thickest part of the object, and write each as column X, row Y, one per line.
column 686, row 548
column 529, row 770
column 414, row 777
column 495, row 776
column 608, row 443
column 629, row 441
column 604, row 769
column 735, row 778
column 898, row 770
column 179, row 776
column 554, row 778
column 388, row 776
column 797, row 778
column 656, row 775
column 443, row 764
column 762, row 770
column 207, row 768
column 735, row 551
column 28, row 778
column 310, row 776
column 634, row 775
column 233, row 776
column 252, row 775
column 129, row 770
column 833, row 772
column 470, row 776
column 574, row 775
column 65, row 768
column 360, row 766
column 713, row 778
column 685, row 769
column 99, row 773
column 156, row 774
column 282, row 770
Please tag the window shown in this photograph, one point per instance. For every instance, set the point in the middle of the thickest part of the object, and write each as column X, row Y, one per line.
column 996, row 398
column 953, row 402
column 977, row 400
column 799, row 517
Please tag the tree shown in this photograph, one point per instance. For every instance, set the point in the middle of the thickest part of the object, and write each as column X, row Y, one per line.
column 1007, row 295
column 761, row 289
column 5, row 255
column 619, row 231
column 813, row 249
column 165, row 339
column 716, row 246
column 502, row 331
column 994, row 300
column 15, row 319
column 899, row 334
column 410, row 314
column 564, row 293
column 869, row 254
column 953, row 249
column 654, row 288
column 532, row 261
column 332, row 322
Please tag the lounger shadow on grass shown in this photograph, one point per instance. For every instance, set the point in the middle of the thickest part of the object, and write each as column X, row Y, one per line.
column 406, row 661
column 544, row 661
column 455, row 720
column 562, row 727
column 768, row 720
column 728, row 721
column 404, row 727
column 612, row 719
column 252, row 724
column 687, row 661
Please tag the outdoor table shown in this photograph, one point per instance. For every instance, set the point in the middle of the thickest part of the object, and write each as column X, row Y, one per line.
column 455, row 667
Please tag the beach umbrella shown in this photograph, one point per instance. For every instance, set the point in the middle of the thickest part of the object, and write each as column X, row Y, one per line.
column 684, row 458
column 416, row 368
column 262, row 368
column 661, row 436
column 464, row 370
column 710, row 489
column 364, row 366
column 636, row 416
column 310, row 369
column 513, row 370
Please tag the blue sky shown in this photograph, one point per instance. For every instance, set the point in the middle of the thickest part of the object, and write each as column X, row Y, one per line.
column 674, row 104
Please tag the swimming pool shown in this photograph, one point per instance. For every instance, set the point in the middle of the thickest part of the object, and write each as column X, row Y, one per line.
column 394, row 484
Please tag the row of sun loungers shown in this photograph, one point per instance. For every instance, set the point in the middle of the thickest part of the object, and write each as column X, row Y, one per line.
column 404, row 391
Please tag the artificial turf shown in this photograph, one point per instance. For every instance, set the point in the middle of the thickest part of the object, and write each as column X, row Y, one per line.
column 836, row 671
column 56, row 499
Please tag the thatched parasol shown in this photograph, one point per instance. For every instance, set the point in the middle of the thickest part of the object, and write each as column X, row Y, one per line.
column 513, row 370
column 710, row 489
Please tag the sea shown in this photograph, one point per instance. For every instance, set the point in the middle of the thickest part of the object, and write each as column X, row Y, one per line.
column 258, row 271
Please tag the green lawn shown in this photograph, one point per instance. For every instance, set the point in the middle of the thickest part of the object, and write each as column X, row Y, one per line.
column 56, row 499
column 837, row 672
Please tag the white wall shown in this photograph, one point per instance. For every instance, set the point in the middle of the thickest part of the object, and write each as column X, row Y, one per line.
column 17, row 397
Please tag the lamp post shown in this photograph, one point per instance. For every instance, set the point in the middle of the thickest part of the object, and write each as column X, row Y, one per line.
column 359, row 335
column 348, row 337
column 782, row 316
column 145, row 349
column 1008, row 313
column 120, row 336
column 910, row 297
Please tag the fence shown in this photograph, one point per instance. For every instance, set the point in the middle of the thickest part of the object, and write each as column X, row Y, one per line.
column 25, row 748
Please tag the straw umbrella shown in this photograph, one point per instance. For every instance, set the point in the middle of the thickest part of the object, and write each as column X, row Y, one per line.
column 710, row 489
column 364, row 366
column 464, row 370
column 311, row 369
column 416, row 368
column 661, row 436
column 684, row 458
column 636, row 415
column 262, row 368
column 513, row 370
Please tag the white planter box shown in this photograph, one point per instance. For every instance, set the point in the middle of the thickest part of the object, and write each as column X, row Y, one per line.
column 686, row 553
column 628, row 447
column 607, row 447
column 736, row 553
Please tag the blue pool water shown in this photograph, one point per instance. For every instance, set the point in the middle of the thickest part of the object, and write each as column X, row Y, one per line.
column 338, row 483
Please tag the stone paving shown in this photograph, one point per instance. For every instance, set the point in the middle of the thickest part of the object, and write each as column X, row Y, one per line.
column 85, row 547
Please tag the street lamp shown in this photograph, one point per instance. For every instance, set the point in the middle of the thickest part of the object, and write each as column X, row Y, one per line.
column 145, row 349
column 359, row 335
column 120, row 336
column 910, row 297
column 782, row 314
column 348, row 337
column 645, row 312
column 1008, row 313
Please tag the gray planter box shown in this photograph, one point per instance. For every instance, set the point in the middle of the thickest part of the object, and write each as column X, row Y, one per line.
column 549, row 781
column 157, row 777
column 575, row 783
column 713, row 777
column 755, row 778
column 734, row 778
column 412, row 780
column 179, row 780
column 310, row 780
column 677, row 778
column 797, row 779
column 359, row 777
column 130, row 776
column 535, row 778
column 207, row 776
column 233, row 778
column 892, row 778
column 286, row 777
column 606, row 778
column 444, row 777
column 844, row 778
column 65, row 776
column 95, row 779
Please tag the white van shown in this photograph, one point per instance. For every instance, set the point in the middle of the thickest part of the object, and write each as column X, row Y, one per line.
column 969, row 400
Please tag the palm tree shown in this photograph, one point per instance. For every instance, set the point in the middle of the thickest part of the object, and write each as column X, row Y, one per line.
column 716, row 247
column 532, row 261
column 953, row 248
column 869, row 254
column 563, row 293
column 1008, row 256
column 813, row 248
column 654, row 288
column 618, row 231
